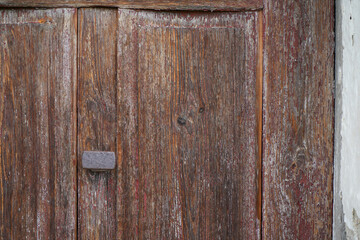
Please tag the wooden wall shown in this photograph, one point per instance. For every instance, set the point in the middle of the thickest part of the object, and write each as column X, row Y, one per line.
column 222, row 122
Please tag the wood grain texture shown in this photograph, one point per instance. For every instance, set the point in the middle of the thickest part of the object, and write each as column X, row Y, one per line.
column 187, row 127
column 298, row 119
column 142, row 4
column 97, row 120
column 37, row 123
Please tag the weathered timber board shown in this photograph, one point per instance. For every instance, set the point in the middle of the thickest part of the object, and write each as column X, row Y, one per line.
column 188, row 125
column 298, row 119
column 142, row 4
column 38, row 124
column 97, row 120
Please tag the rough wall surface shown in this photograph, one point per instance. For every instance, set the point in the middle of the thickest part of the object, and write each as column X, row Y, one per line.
column 347, row 151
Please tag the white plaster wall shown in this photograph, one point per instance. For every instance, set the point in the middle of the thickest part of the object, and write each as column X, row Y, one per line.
column 347, row 146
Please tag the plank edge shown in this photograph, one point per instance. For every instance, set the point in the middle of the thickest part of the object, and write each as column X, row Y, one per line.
column 139, row 5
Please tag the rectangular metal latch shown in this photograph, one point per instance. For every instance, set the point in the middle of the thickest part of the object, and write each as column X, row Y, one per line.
column 98, row 161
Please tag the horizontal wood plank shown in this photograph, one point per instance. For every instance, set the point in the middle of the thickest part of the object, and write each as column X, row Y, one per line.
column 142, row 4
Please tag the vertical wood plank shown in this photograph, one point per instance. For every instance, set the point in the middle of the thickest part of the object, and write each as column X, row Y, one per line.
column 97, row 120
column 37, row 123
column 187, row 127
column 298, row 119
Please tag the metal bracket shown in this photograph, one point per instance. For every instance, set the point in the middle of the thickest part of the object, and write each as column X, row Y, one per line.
column 98, row 161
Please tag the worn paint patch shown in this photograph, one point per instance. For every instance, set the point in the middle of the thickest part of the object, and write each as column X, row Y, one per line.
column 354, row 232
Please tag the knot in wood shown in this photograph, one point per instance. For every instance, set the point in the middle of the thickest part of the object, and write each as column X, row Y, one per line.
column 181, row 121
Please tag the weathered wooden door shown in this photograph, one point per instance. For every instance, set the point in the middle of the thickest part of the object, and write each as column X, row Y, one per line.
column 221, row 121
